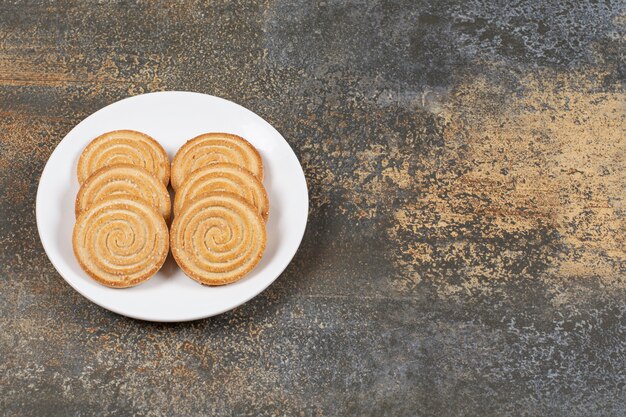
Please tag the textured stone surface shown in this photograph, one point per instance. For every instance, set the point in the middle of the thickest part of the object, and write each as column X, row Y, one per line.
column 465, row 248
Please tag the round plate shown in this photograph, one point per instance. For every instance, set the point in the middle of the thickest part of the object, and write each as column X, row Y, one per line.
column 172, row 118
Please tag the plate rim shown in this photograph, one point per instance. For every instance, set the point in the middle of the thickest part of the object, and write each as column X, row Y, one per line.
column 38, row 214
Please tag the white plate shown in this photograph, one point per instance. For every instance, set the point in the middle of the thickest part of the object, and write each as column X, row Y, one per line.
column 172, row 118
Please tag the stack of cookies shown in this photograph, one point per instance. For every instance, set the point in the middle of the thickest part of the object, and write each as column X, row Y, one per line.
column 121, row 238
column 218, row 234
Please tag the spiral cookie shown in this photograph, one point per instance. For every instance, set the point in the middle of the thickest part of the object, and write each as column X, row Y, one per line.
column 211, row 148
column 217, row 238
column 121, row 242
column 223, row 177
column 123, row 180
column 124, row 147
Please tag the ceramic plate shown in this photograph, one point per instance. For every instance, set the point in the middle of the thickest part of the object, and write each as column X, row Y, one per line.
column 172, row 118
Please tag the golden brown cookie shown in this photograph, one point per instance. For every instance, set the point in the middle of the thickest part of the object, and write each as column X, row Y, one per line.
column 124, row 147
column 223, row 177
column 121, row 242
column 124, row 180
column 218, row 238
column 211, row 148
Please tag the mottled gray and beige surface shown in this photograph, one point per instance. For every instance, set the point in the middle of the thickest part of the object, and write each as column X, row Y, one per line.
column 465, row 253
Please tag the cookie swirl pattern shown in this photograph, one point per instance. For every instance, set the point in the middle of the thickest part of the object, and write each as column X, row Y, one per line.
column 218, row 238
column 211, row 148
column 123, row 180
column 124, row 147
column 223, row 177
column 120, row 243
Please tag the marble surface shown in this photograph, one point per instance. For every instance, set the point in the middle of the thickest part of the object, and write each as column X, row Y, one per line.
column 465, row 252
